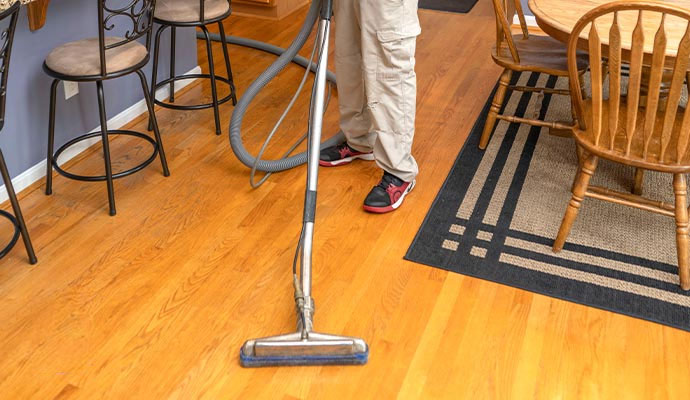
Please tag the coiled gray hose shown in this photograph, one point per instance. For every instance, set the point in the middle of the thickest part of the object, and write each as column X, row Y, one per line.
column 286, row 56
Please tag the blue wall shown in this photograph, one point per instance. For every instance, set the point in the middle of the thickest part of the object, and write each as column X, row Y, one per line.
column 525, row 7
column 25, row 134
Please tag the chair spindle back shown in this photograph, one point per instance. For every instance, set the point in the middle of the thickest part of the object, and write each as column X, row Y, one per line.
column 505, row 11
column 648, row 128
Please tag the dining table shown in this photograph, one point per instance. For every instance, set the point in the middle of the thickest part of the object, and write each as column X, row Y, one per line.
column 557, row 18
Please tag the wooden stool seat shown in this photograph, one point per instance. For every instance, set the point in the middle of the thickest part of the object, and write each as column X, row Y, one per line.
column 186, row 11
column 538, row 53
column 81, row 58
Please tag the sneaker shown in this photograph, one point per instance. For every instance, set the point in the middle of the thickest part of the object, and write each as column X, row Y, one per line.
column 342, row 154
column 388, row 195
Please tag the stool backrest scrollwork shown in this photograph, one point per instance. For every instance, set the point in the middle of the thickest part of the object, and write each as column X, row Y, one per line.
column 134, row 16
column 8, row 23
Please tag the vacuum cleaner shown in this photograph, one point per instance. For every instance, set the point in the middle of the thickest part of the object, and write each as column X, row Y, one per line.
column 304, row 346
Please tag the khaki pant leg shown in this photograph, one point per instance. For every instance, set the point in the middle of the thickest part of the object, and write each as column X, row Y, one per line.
column 354, row 117
column 389, row 29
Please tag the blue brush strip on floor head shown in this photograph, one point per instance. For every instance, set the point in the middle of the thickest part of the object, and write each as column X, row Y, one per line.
column 297, row 360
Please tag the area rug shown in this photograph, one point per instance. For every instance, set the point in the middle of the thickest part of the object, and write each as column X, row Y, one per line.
column 458, row 6
column 499, row 210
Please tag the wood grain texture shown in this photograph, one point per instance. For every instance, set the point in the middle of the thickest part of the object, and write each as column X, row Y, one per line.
column 558, row 18
column 155, row 302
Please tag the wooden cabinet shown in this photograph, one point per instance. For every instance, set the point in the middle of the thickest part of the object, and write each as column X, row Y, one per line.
column 272, row 9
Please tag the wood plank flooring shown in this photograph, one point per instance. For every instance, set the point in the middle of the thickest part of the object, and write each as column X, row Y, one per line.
column 155, row 302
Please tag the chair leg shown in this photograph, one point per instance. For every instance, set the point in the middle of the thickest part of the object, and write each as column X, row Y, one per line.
column 587, row 168
column 496, row 104
column 106, row 147
column 51, row 138
column 214, row 93
column 680, row 188
column 154, row 72
column 171, row 95
column 17, row 211
column 228, row 68
column 638, row 185
column 152, row 117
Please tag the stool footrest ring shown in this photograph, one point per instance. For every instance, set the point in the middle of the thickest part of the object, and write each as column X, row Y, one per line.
column 92, row 178
column 15, row 236
column 194, row 106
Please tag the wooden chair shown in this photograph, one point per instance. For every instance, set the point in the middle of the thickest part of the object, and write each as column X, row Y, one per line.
column 519, row 53
column 655, row 136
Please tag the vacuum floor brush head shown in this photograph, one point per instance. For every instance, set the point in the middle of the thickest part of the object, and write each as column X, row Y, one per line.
column 292, row 350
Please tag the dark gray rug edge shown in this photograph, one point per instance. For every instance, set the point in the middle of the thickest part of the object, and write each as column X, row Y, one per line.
column 455, row 6
column 473, row 140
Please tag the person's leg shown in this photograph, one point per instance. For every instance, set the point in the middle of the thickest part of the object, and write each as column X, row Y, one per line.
column 354, row 119
column 388, row 37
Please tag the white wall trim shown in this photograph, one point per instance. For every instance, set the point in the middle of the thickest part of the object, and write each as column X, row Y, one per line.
column 529, row 19
column 38, row 171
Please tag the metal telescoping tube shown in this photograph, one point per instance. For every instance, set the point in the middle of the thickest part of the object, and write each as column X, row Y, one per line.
column 318, row 101
column 286, row 57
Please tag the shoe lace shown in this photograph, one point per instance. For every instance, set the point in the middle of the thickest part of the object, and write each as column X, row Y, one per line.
column 388, row 180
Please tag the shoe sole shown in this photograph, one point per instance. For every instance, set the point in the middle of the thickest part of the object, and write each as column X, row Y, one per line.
column 392, row 207
column 347, row 160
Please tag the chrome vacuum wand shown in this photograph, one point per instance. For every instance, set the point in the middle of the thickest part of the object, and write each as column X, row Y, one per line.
column 306, row 347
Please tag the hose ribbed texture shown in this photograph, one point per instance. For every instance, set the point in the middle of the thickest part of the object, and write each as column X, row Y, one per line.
column 286, row 56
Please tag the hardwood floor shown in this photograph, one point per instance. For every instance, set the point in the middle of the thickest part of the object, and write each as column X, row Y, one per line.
column 155, row 302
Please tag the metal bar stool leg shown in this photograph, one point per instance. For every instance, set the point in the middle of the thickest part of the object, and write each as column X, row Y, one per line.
column 228, row 68
column 17, row 211
column 106, row 147
column 211, row 70
column 171, row 95
column 154, row 72
column 152, row 116
column 51, row 138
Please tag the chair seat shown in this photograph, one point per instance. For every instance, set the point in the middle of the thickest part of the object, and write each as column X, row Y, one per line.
column 538, row 53
column 82, row 57
column 187, row 11
column 653, row 161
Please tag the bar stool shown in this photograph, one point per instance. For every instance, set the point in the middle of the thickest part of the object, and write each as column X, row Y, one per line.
column 185, row 13
column 8, row 23
column 98, row 59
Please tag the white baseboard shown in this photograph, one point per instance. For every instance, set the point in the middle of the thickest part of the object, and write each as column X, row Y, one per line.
column 38, row 171
column 529, row 19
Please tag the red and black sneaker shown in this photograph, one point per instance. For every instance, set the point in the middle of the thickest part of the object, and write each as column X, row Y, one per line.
column 342, row 154
column 388, row 195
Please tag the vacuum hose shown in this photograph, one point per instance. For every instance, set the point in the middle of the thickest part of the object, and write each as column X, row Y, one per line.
column 286, row 56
